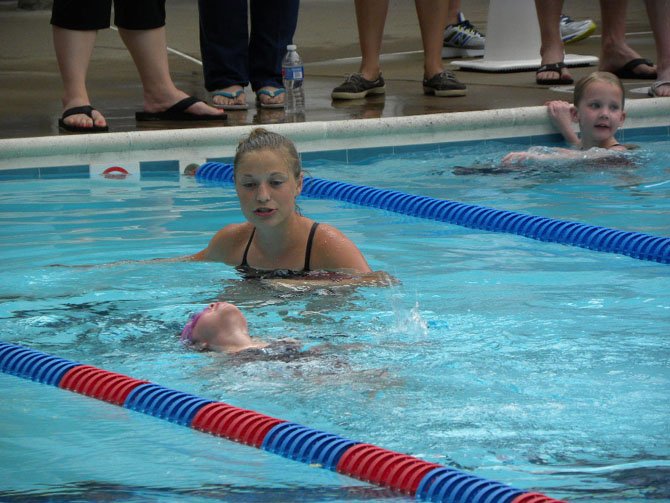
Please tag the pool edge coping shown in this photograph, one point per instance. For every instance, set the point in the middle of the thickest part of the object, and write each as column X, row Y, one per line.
column 200, row 144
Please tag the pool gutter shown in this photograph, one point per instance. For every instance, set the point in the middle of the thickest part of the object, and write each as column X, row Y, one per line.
column 199, row 144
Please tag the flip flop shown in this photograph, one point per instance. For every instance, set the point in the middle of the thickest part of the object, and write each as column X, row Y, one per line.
column 272, row 94
column 553, row 67
column 86, row 110
column 177, row 112
column 231, row 96
column 626, row 71
column 654, row 87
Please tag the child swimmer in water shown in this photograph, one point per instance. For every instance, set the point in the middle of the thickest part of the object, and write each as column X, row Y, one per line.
column 598, row 109
column 223, row 328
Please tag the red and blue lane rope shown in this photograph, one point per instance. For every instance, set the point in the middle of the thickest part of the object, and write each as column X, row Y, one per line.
column 399, row 472
column 593, row 237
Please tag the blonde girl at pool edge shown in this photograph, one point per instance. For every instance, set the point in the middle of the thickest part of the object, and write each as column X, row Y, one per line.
column 268, row 179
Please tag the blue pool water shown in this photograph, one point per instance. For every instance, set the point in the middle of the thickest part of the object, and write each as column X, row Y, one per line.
column 540, row 365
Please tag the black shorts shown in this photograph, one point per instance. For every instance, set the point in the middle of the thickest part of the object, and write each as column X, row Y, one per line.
column 96, row 14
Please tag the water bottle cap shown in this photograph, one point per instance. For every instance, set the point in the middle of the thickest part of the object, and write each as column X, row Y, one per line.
column 291, row 47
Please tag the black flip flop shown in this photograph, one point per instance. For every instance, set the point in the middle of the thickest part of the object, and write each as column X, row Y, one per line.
column 86, row 110
column 553, row 67
column 626, row 71
column 177, row 112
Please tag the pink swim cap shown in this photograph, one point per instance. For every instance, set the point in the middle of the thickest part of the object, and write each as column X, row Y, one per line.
column 187, row 333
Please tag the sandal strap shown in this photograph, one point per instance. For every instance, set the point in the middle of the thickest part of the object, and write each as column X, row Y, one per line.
column 182, row 105
column 85, row 109
column 551, row 67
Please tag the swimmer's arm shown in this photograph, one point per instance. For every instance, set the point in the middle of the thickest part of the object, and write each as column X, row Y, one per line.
column 558, row 153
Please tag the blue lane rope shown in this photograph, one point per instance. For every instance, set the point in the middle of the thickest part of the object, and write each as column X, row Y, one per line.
column 290, row 440
column 593, row 237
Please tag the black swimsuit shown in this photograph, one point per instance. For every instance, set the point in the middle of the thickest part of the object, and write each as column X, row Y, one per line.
column 249, row 271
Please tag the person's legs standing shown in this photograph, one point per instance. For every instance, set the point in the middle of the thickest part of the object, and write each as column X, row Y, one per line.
column 371, row 18
column 551, row 49
column 142, row 29
column 273, row 25
column 432, row 16
column 659, row 18
column 615, row 52
column 224, row 46
column 75, row 27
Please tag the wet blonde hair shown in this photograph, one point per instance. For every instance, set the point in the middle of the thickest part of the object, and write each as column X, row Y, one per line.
column 262, row 139
column 607, row 77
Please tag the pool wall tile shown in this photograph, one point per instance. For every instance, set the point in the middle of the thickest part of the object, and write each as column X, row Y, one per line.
column 362, row 154
column 20, row 174
column 638, row 134
column 81, row 171
column 339, row 155
column 159, row 170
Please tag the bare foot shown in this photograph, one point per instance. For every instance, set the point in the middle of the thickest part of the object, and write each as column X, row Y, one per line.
column 614, row 58
column 230, row 97
column 167, row 101
column 270, row 96
column 552, row 56
column 661, row 89
column 83, row 120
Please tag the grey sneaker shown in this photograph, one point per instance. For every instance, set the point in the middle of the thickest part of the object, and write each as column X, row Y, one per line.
column 444, row 84
column 572, row 31
column 356, row 86
column 462, row 40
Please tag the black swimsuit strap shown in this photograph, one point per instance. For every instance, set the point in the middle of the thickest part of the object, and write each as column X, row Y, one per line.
column 308, row 249
column 246, row 250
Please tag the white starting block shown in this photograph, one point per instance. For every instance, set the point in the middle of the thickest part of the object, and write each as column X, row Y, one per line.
column 513, row 40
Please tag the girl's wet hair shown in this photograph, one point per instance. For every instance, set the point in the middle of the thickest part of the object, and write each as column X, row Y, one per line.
column 262, row 139
column 606, row 77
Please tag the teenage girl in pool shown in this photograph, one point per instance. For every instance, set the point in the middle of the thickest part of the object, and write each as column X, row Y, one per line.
column 598, row 109
column 268, row 179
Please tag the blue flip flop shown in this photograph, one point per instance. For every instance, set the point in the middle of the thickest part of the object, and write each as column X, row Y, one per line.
column 231, row 96
column 266, row 92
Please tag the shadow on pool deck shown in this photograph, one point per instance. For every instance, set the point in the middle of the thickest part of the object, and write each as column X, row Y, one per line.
column 327, row 40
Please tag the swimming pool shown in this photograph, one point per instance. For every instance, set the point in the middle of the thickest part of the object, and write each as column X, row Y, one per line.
column 497, row 354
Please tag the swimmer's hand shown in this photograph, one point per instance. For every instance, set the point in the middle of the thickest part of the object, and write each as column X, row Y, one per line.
column 563, row 117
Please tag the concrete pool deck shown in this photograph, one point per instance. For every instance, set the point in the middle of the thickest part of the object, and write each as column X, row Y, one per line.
column 327, row 40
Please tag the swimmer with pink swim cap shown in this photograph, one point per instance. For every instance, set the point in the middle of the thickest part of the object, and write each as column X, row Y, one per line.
column 219, row 327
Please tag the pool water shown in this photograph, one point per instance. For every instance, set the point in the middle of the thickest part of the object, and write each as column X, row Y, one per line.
column 540, row 365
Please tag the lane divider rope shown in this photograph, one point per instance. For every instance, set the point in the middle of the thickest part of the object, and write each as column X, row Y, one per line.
column 400, row 472
column 593, row 237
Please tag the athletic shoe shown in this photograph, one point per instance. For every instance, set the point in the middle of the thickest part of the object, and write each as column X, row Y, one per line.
column 572, row 31
column 462, row 40
column 356, row 86
column 444, row 84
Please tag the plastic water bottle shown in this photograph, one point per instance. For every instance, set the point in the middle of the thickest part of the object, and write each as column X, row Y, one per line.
column 293, row 74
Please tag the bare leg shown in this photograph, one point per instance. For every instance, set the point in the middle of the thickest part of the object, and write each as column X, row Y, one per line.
column 659, row 18
column 452, row 11
column 149, row 51
column 371, row 18
column 432, row 16
column 615, row 52
column 73, row 53
column 551, row 50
